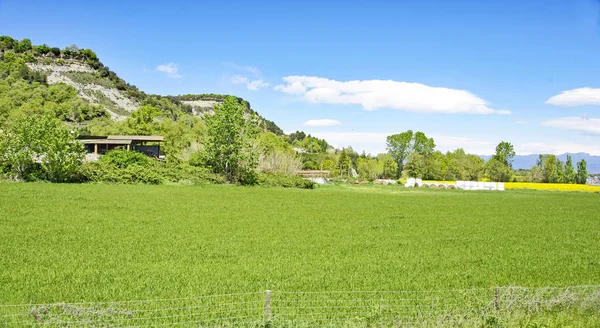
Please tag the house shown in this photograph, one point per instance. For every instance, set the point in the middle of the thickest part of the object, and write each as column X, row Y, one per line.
column 149, row 145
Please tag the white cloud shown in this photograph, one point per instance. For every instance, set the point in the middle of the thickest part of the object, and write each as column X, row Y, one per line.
column 257, row 85
column 576, row 97
column 239, row 79
column 171, row 69
column 323, row 122
column 374, row 94
column 254, row 85
column 521, row 122
column 581, row 124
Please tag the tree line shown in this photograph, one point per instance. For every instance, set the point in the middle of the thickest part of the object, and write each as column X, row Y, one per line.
column 413, row 154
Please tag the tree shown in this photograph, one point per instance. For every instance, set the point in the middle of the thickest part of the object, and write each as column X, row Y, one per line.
column 63, row 154
column 366, row 167
column 582, row 173
column 142, row 121
column 387, row 167
column 415, row 166
column 399, row 147
column 55, row 51
column 43, row 49
column 24, row 45
column 569, row 174
column 229, row 141
column 41, row 147
column 550, row 173
column 345, row 163
column 497, row 171
column 505, row 152
column 422, row 145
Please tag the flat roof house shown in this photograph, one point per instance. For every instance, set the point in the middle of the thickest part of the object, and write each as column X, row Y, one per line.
column 149, row 145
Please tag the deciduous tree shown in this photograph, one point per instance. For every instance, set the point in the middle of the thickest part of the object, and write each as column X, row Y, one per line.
column 40, row 147
column 229, row 141
column 505, row 152
column 582, row 173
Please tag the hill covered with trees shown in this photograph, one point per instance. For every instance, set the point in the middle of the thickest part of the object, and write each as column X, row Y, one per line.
column 50, row 95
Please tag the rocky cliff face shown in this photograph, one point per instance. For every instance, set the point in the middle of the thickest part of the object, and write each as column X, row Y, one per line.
column 201, row 107
column 90, row 86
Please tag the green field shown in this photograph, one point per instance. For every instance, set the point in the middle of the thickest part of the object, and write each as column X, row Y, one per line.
column 104, row 243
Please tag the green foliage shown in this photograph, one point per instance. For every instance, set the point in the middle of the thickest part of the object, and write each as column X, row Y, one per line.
column 143, row 121
column 184, row 172
column 123, row 159
column 101, row 171
column 456, row 165
column 40, row 147
column 280, row 180
column 497, row 171
column 23, row 91
column 582, row 173
column 367, row 168
column 401, row 145
column 268, row 143
column 387, row 166
column 344, row 163
column 229, row 142
column 505, row 152
column 415, row 166
column 549, row 169
column 569, row 175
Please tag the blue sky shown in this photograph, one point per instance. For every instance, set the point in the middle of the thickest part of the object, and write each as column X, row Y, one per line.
column 468, row 73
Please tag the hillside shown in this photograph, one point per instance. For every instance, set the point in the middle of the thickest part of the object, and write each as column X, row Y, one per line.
column 99, row 87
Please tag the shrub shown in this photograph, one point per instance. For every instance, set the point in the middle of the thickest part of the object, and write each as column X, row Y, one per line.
column 280, row 162
column 184, row 172
column 101, row 171
column 123, row 159
column 280, row 180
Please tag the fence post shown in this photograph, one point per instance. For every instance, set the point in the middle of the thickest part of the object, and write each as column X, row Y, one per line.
column 497, row 299
column 268, row 306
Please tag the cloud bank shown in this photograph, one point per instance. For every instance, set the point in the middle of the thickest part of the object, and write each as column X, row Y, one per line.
column 171, row 69
column 576, row 97
column 580, row 124
column 375, row 94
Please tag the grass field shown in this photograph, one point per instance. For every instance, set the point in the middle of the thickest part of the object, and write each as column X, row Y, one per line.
column 100, row 243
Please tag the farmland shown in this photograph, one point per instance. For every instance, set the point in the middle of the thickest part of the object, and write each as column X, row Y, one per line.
column 101, row 243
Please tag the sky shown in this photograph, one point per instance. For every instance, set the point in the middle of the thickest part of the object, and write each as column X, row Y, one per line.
column 467, row 73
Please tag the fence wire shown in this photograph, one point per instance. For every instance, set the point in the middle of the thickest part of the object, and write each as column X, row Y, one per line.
column 310, row 309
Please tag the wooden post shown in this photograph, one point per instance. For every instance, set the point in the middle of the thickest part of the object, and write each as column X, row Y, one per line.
column 95, row 148
column 268, row 306
column 497, row 299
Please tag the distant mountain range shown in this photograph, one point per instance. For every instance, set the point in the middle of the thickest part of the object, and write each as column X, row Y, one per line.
column 528, row 161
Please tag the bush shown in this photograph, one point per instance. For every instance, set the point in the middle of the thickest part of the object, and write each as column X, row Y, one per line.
column 149, row 173
column 279, row 180
column 101, row 171
column 123, row 159
column 184, row 172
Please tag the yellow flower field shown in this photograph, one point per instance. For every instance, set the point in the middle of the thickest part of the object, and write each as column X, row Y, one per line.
column 539, row 186
column 550, row 186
